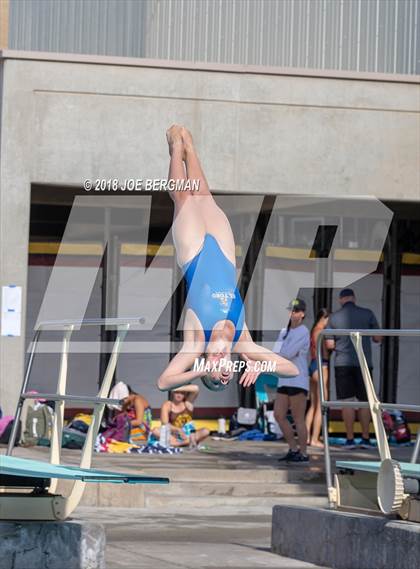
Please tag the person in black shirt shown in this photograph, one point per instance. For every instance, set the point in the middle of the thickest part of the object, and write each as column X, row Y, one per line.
column 348, row 375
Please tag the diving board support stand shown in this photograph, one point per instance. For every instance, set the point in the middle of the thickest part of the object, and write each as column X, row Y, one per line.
column 387, row 486
column 40, row 504
column 374, row 404
column 86, row 459
column 58, row 423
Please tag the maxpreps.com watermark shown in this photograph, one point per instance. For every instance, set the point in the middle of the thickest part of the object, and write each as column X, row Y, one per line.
column 140, row 184
column 223, row 364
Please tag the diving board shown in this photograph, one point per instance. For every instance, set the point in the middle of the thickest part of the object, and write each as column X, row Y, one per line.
column 14, row 466
column 407, row 468
column 19, row 500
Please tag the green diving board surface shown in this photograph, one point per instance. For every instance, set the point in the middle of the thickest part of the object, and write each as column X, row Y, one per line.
column 407, row 468
column 14, row 466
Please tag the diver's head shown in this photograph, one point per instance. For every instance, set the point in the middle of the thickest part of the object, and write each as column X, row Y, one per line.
column 218, row 355
column 213, row 384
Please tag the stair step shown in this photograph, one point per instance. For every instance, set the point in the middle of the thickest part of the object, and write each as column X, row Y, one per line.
column 160, row 500
column 207, row 488
column 257, row 476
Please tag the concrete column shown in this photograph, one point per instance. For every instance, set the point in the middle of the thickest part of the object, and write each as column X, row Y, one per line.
column 16, row 162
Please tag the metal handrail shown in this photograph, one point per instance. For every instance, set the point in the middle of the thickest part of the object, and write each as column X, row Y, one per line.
column 66, row 325
column 60, row 324
column 73, row 398
column 325, row 405
column 371, row 332
column 65, row 506
column 363, row 405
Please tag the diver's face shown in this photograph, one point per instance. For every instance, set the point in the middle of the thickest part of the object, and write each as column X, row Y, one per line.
column 219, row 356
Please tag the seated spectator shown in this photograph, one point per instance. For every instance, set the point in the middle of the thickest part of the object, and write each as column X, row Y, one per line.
column 139, row 413
column 177, row 412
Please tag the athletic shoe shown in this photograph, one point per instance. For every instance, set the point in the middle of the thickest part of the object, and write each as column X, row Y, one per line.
column 365, row 443
column 288, row 456
column 350, row 444
column 299, row 458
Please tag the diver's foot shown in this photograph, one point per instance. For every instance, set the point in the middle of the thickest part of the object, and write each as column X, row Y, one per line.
column 174, row 138
column 187, row 139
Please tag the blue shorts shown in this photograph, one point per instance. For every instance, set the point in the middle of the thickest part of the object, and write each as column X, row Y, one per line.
column 313, row 366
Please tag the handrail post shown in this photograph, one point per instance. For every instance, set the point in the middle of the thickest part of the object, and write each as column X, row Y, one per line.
column 416, row 450
column 13, row 434
column 58, row 421
column 72, row 500
column 374, row 404
column 324, row 409
column 103, row 391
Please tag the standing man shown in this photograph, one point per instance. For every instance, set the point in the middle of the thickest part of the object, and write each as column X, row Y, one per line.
column 348, row 375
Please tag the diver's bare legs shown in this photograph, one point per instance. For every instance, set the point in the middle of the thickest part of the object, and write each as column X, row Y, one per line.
column 177, row 154
column 196, row 212
column 193, row 165
column 188, row 228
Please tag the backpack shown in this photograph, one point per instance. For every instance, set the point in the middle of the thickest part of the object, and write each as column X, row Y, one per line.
column 246, row 417
column 73, row 438
column 38, row 425
column 7, row 427
column 81, row 422
column 119, row 428
column 396, row 426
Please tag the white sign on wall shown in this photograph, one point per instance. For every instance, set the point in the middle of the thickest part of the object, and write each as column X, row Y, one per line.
column 11, row 310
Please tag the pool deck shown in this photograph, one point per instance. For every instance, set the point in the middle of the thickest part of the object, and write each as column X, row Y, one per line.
column 217, row 511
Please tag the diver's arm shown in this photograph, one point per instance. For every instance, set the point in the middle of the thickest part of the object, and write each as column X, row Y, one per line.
column 175, row 374
column 249, row 350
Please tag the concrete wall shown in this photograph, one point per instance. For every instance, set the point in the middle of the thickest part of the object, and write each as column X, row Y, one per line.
column 65, row 121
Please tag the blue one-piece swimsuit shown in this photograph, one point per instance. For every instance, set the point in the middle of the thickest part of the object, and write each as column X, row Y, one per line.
column 211, row 288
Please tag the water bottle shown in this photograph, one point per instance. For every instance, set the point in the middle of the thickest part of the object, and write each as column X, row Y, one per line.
column 221, row 426
column 163, row 437
column 265, row 419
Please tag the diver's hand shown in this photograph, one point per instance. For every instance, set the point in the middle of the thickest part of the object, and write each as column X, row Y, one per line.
column 249, row 377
